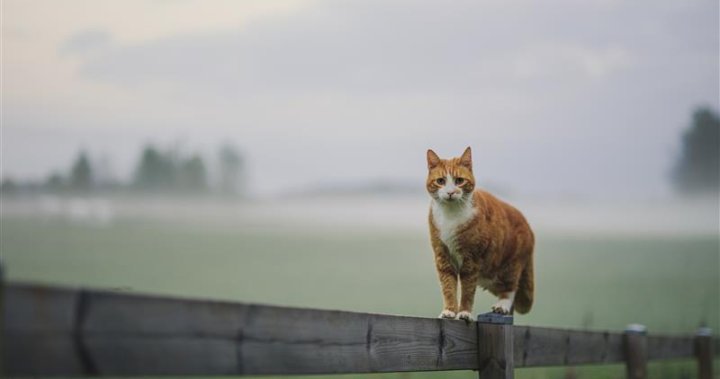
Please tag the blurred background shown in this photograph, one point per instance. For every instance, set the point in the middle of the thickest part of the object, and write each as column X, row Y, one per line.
column 274, row 151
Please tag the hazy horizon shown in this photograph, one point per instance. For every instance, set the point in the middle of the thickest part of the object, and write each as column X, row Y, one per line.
column 583, row 99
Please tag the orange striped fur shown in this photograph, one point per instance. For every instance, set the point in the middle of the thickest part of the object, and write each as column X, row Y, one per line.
column 477, row 240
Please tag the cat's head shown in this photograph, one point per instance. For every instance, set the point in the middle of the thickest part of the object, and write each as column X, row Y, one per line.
column 450, row 180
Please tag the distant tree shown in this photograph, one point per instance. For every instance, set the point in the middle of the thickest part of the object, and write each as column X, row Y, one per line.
column 192, row 175
column 81, row 176
column 698, row 168
column 231, row 170
column 155, row 170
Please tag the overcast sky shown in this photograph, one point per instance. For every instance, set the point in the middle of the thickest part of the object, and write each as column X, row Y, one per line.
column 555, row 97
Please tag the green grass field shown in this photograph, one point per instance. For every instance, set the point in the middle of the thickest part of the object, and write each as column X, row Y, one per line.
column 670, row 284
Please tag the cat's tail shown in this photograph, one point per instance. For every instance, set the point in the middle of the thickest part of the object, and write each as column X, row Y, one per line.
column 524, row 296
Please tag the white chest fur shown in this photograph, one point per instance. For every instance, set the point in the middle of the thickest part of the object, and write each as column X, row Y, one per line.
column 448, row 217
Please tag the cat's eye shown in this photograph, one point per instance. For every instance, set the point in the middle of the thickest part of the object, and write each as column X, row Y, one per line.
column 440, row 181
column 459, row 181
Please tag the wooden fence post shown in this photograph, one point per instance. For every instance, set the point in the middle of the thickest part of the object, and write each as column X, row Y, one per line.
column 635, row 344
column 704, row 352
column 495, row 346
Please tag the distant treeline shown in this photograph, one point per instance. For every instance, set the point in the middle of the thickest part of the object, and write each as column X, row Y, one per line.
column 157, row 171
column 696, row 170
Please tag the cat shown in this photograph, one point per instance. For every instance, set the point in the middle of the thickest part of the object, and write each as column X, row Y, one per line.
column 477, row 240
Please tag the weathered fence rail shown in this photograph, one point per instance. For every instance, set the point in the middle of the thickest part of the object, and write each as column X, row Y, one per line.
column 56, row 331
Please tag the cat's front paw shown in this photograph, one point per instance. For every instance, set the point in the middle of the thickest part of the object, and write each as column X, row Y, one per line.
column 446, row 313
column 502, row 307
column 465, row 316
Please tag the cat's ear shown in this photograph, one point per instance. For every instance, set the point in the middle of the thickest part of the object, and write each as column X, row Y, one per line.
column 466, row 158
column 432, row 159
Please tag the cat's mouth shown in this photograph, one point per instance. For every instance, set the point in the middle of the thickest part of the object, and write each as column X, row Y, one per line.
column 451, row 197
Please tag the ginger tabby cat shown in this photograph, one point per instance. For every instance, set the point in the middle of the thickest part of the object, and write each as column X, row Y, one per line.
column 478, row 240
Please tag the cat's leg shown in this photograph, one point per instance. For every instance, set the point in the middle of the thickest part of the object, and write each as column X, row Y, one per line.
column 448, row 284
column 505, row 303
column 448, row 277
column 468, row 285
column 505, row 287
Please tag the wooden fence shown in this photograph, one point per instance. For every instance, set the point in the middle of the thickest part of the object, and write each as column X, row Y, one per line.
column 68, row 332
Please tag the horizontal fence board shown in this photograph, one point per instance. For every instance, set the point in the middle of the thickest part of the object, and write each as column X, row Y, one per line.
column 96, row 332
column 55, row 331
column 536, row 346
column 38, row 336
column 666, row 347
column 38, row 354
column 119, row 313
column 37, row 309
column 277, row 340
column 119, row 355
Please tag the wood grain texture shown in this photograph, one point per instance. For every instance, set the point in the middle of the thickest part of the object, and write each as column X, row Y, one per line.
column 39, row 331
column 56, row 331
column 559, row 347
column 669, row 347
column 704, row 354
column 69, row 332
column 495, row 351
column 636, row 355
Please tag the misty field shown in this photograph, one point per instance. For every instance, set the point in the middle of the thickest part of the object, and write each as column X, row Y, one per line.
column 591, row 281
